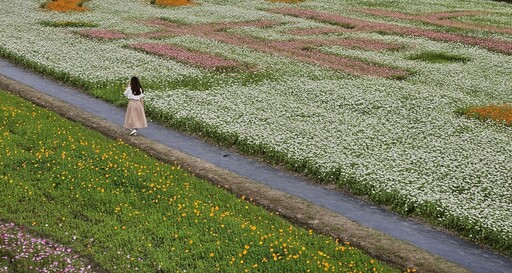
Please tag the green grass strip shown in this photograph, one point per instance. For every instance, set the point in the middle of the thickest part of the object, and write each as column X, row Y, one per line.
column 71, row 24
column 130, row 212
column 438, row 57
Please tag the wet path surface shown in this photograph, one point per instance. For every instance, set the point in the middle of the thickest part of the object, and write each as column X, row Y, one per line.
column 449, row 247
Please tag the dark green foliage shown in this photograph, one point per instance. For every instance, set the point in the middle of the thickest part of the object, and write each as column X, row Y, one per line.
column 68, row 24
column 438, row 57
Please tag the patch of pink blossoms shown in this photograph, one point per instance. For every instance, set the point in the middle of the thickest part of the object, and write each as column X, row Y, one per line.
column 203, row 60
column 303, row 50
column 362, row 25
column 19, row 248
column 104, row 34
column 439, row 19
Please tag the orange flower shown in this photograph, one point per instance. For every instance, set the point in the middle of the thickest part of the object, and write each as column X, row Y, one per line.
column 173, row 3
column 500, row 113
column 286, row 1
column 65, row 5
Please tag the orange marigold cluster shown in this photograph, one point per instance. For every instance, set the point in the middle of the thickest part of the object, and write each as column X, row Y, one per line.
column 173, row 3
column 286, row 1
column 65, row 5
column 500, row 113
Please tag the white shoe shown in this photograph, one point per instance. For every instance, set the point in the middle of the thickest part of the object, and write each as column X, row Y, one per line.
column 133, row 132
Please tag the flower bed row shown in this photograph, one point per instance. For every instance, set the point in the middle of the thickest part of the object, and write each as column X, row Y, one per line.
column 502, row 46
column 200, row 59
column 440, row 19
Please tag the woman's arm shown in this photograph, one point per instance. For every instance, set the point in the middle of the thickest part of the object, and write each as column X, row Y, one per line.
column 127, row 91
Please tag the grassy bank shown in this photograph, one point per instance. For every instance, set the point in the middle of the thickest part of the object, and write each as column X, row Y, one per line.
column 127, row 211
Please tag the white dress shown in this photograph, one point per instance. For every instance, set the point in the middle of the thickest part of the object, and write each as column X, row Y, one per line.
column 135, row 115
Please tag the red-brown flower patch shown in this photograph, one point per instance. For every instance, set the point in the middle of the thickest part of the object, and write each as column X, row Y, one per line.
column 300, row 49
column 500, row 113
column 362, row 25
column 183, row 55
column 104, row 34
column 440, row 19
column 303, row 50
column 354, row 43
column 317, row 31
column 65, row 5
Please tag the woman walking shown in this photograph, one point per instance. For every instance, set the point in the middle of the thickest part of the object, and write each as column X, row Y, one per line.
column 135, row 117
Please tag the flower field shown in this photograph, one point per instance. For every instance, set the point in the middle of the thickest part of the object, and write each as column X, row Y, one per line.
column 130, row 212
column 373, row 96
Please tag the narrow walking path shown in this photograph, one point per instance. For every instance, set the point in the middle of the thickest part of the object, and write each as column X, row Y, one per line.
column 438, row 243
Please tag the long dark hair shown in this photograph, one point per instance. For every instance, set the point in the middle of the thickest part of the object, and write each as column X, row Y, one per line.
column 136, row 86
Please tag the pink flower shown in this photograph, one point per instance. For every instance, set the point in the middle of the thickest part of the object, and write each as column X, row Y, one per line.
column 103, row 34
column 362, row 25
column 300, row 50
column 203, row 60
column 316, row 31
column 440, row 19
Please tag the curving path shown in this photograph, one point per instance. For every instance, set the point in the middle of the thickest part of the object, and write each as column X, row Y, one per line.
column 438, row 243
